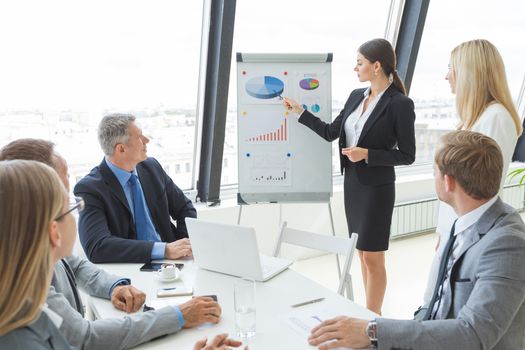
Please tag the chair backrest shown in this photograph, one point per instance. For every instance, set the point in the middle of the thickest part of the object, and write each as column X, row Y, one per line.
column 327, row 243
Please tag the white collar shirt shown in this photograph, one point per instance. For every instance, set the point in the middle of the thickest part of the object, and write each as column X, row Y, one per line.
column 466, row 221
column 356, row 120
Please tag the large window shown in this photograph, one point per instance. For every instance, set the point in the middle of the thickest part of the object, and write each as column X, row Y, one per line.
column 308, row 26
column 67, row 63
column 448, row 24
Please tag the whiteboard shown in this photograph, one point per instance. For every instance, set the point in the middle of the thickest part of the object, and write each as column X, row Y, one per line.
column 279, row 159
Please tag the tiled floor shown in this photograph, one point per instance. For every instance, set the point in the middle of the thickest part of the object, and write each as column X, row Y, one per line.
column 407, row 261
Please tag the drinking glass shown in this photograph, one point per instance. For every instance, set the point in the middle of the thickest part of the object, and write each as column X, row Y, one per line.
column 244, row 304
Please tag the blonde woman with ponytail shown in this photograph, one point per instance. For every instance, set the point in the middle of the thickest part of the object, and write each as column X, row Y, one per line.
column 477, row 77
column 376, row 133
column 36, row 230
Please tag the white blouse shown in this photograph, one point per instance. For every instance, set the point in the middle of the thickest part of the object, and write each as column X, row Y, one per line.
column 356, row 120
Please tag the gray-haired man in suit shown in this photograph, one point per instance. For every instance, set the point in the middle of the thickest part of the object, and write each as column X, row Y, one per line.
column 479, row 298
column 63, row 297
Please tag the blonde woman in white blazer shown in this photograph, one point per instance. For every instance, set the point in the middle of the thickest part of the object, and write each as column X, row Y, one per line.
column 477, row 77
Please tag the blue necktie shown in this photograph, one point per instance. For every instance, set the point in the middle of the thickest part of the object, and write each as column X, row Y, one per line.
column 143, row 226
column 442, row 274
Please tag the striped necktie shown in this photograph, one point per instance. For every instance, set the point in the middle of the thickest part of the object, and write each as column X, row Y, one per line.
column 438, row 292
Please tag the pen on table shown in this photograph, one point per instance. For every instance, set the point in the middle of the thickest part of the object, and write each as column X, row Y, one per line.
column 308, row 302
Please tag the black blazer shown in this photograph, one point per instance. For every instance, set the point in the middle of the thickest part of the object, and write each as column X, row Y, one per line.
column 388, row 134
column 106, row 227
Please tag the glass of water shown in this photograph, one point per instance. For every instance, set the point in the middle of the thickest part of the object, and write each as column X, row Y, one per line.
column 244, row 303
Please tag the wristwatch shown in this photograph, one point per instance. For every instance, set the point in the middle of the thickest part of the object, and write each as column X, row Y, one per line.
column 371, row 332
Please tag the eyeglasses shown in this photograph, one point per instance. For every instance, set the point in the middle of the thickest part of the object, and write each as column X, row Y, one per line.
column 77, row 205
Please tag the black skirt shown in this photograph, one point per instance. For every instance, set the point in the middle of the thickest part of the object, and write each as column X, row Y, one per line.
column 368, row 211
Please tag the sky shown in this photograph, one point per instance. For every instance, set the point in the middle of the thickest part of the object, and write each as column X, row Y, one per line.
column 91, row 55
column 94, row 54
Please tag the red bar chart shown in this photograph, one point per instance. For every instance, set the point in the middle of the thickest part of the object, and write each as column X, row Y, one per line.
column 278, row 135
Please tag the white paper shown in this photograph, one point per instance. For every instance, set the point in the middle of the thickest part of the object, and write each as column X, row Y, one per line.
column 305, row 319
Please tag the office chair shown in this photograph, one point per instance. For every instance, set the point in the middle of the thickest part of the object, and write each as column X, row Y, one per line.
column 331, row 244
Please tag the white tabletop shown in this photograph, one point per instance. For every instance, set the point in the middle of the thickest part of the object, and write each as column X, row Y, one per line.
column 274, row 300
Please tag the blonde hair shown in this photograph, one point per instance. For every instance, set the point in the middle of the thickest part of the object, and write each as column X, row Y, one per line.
column 480, row 81
column 473, row 160
column 32, row 195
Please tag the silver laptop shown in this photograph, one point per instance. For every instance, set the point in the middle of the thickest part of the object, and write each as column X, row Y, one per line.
column 232, row 250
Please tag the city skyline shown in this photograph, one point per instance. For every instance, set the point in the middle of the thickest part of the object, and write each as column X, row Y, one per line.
column 61, row 72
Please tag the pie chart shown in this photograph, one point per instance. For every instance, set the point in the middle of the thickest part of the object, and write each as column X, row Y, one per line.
column 309, row 84
column 264, row 87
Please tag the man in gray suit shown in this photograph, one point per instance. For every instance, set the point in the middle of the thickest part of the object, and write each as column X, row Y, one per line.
column 64, row 298
column 479, row 298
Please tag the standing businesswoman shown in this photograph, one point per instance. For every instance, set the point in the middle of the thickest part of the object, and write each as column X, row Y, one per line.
column 376, row 132
column 477, row 77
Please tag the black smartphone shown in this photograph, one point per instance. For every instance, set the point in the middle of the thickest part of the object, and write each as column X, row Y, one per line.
column 149, row 266
column 213, row 296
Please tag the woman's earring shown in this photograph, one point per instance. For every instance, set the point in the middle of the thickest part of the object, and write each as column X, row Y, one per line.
column 391, row 77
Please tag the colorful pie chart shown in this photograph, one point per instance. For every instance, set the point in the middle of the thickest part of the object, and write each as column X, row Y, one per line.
column 309, row 84
column 265, row 87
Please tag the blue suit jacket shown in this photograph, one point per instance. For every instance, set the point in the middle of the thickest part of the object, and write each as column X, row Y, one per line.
column 106, row 227
column 388, row 134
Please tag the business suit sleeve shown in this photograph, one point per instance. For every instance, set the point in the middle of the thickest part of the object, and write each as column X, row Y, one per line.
column 328, row 131
column 92, row 279
column 402, row 112
column 111, row 333
column 496, row 297
column 99, row 243
column 179, row 206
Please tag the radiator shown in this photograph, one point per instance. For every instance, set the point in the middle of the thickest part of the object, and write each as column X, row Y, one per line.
column 421, row 216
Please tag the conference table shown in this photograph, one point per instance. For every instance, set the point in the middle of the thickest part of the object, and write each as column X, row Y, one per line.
column 274, row 298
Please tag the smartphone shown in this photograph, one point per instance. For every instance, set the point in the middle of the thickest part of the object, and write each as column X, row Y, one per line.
column 149, row 266
column 213, row 296
column 174, row 292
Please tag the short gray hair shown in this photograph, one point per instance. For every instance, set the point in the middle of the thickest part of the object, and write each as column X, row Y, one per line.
column 113, row 129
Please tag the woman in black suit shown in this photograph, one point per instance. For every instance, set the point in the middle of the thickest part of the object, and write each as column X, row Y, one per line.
column 376, row 132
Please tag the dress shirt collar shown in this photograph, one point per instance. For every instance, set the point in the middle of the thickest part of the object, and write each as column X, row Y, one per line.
column 379, row 95
column 121, row 174
column 472, row 216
